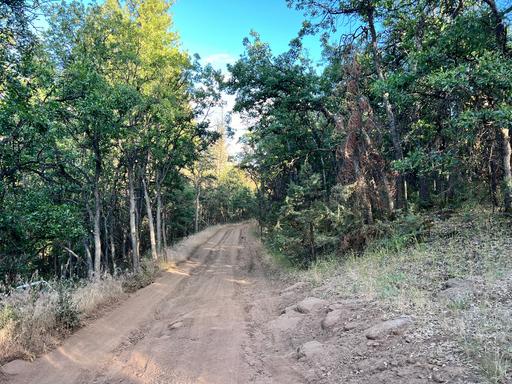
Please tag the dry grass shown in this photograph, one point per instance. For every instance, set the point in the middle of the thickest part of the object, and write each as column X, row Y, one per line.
column 87, row 298
column 407, row 277
column 28, row 324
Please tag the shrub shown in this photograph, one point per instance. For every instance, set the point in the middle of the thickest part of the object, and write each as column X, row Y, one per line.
column 148, row 272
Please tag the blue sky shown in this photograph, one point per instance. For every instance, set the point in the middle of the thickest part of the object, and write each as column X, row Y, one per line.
column 215, row 28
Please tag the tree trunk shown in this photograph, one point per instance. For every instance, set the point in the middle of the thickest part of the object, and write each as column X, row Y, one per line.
column 97, row 207
column 106, row 249
column 395, row 135
column 158, row 219
column 123, row 247
column 88, row 258
column 197, row 209
column 113, row 251
column 164, row 235
column 507, row 173
column 152, row 238
column 312, row 241
column 493, row 178
column 133, row 220
column 424, row 191
column 500, row 28
column 90, row 264
column 97, row 231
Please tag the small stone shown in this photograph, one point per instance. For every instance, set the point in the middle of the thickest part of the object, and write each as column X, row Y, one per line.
column 389, row 327
column 175, row 325
column 286, row 322
column 295, row 287
column 335, row 306
column 310, row 304
column 331, row 319
column 457, row 290
column 381, row 366
column 350, row 326
column 310, row 349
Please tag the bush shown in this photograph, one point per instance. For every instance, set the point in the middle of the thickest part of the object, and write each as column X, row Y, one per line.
column 67, row 315
column 148, row 272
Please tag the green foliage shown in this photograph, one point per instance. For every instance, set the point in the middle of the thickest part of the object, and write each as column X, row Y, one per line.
column 104, row 91
column 67, row 315
column 422, row 93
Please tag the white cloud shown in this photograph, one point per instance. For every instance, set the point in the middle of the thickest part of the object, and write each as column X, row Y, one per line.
column 220, row 60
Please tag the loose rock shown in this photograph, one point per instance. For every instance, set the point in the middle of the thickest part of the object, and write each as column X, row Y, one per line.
column 175, row 325
column 310, row 349
column 389, row 327
column 332, row 319
column 295, row 287
column 310, row 304
column 285, row 322
column 457, row 290
column 350, row 326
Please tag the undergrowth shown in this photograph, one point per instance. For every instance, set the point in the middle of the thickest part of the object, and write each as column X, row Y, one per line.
column 407, row 272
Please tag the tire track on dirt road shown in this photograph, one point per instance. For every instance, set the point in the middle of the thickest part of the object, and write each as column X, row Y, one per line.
column 190, row 326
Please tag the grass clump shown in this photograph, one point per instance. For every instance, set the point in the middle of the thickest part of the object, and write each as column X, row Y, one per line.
column 90, row 295
column 149, row 271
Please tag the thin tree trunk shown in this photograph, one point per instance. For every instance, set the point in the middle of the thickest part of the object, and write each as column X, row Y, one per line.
column 106, row 249
column 88, row 258
column 424, row 191
column 312, row 241
column 113, row 248
column 97, row 231
column 493, row 179
column 152, row 238
column 164, row 234
column 395, row 135
column 97, row 207
column 507, row 173
column 90, row 265
column 197, row 209
column 133, row 220
column 500, row 29
column 123, row 247
column 158, row 219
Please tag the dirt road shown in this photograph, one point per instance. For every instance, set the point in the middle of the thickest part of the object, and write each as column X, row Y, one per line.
column 195, row 324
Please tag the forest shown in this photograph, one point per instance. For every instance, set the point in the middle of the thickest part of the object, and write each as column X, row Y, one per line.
column 364, row 220
column 108, row 153
column 411, row 113
column 108, row 150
